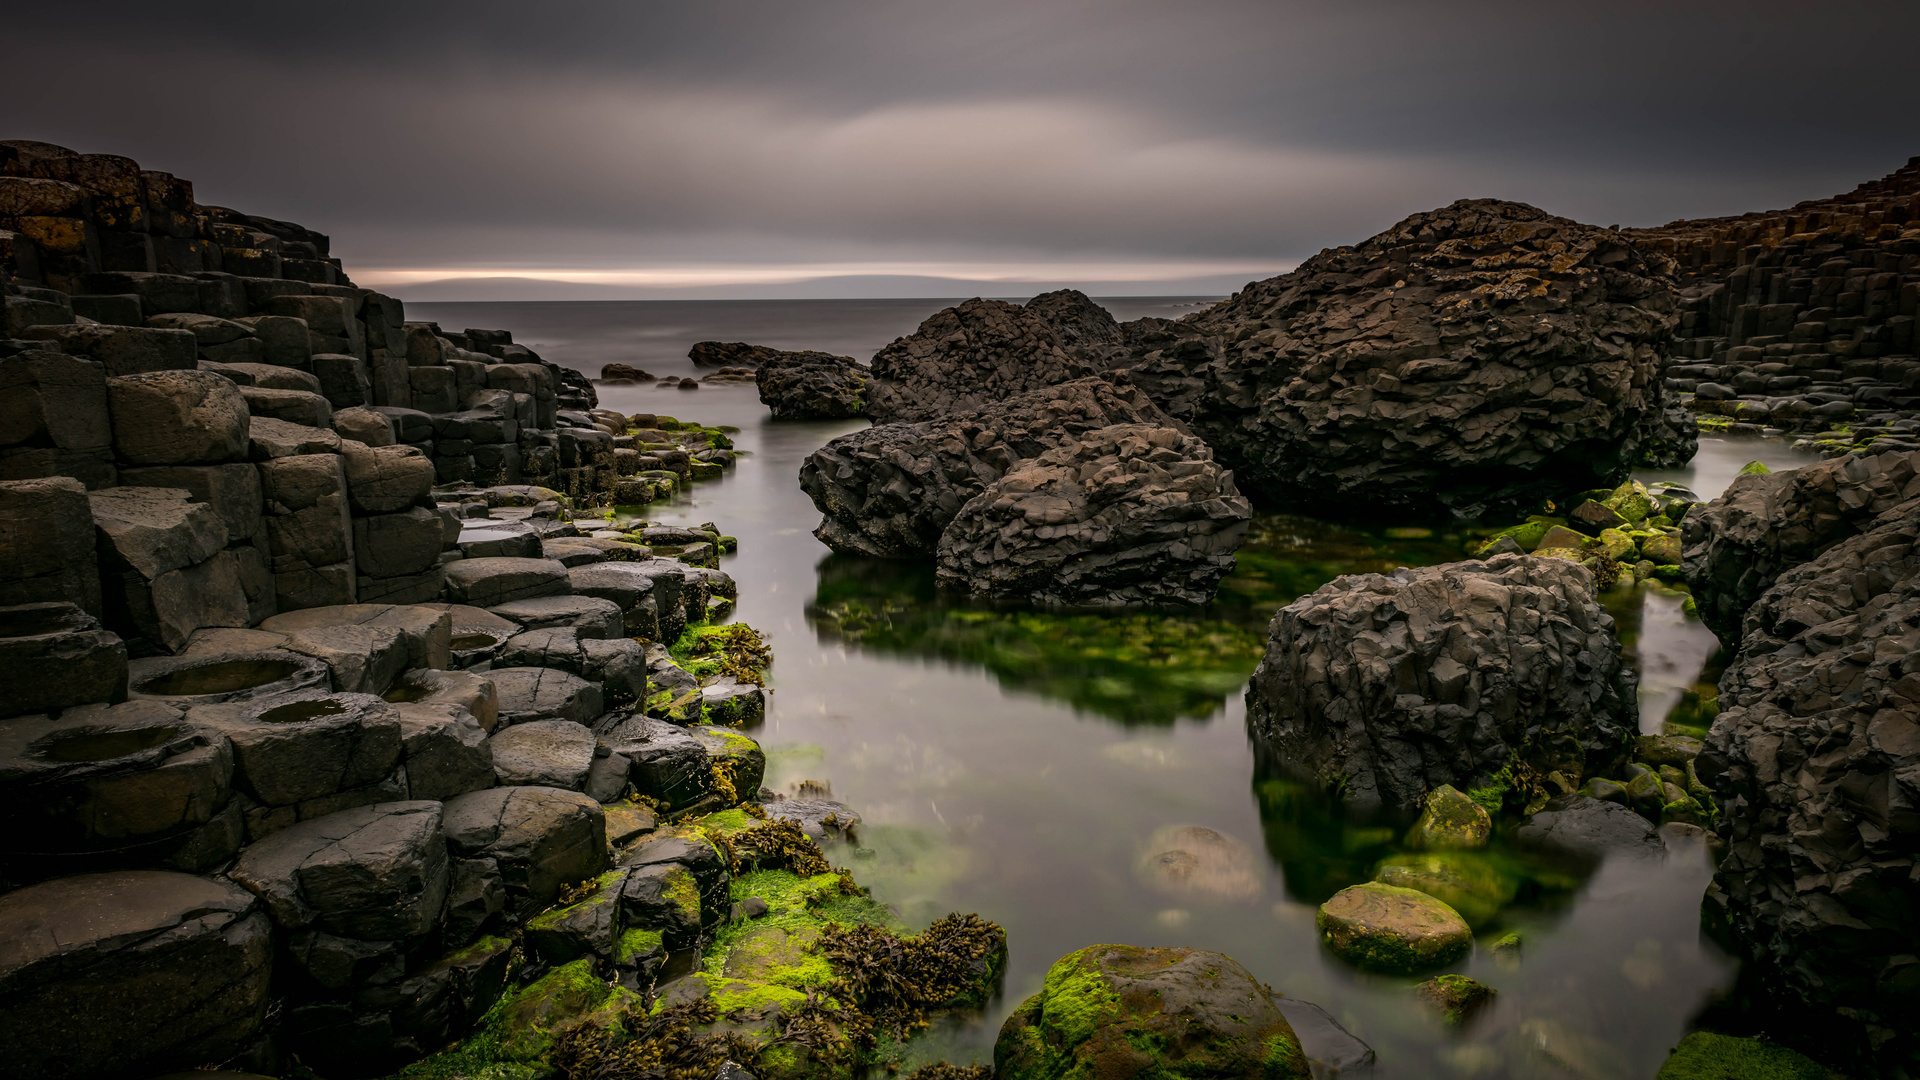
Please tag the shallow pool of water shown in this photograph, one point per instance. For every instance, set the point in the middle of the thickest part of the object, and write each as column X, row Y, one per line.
column 1020, row 765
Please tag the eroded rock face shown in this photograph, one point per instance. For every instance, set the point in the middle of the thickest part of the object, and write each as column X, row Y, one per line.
column 968, row 356
column 1077, row 321
column 1739, row 544
column 1480, row 355
column 1815, row 761
column 1385, row 686
column 813, row 386
column 891, row 490
column 1117, row 1010
column 1131, row 513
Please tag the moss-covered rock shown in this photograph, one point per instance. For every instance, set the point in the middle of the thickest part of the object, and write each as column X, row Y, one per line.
column 1391, row 929
column 1562, row 537
column 1706, row 1056
column 1658, row 750
column 564, row 998
column 1472, row 884
column 1450, row 820
column 1619, row 546
column 1632, row 501
column 1662, row 550
column 1156, row 1014
column 1455, row 996
column 1755, row 468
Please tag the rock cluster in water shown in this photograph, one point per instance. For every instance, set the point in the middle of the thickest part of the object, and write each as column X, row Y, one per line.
column 812, row 386
column 1817, row 740
column 1382, row 687
column 966, row 357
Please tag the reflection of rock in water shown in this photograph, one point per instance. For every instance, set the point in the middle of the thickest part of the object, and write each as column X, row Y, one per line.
column 1196, row 860
column 1666, row 646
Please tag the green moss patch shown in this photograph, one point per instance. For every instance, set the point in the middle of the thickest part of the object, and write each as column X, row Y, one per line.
column 1706, row 1056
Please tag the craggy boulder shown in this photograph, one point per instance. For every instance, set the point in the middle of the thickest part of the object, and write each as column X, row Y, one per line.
column 813, row 386
column 1381, row 687
column 178, row 418
column 964, row 357
column 1127, row 514
column 542, row 838
column 374, row 873
column 1117, row 1010
column 1481, row 355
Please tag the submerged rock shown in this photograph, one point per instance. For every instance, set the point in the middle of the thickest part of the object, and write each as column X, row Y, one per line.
column 1126, row 514
column 965, row 357
column 1117, row 1010
column 1481, row 355
column 1198, row 861
column 1450, row 820
column 1705, row 1055
column 1455, row 996
column 1468, row 882
column 1477, row 674
column 1390, row 929
column 1587, row 830
column 813, row 386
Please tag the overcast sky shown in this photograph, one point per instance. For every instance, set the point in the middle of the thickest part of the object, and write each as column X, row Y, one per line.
column 741, row 147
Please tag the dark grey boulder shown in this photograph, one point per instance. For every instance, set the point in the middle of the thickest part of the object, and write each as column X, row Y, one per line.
column 543, row 753
column 293, row 748
column 475, row 898
column 446, row 750
column 813, row 386
column 1765, row 524
column 129, row 973
column 1337, row 1051
column 1585, row 830
column 1078, row 323
column 205, row 678
column 471, row 692
column 541, row 838
column 667, row 762
column 892, row 490
column 618, row 664
column 1483, row 355
column 375, row 873
column 965, row 357
column 177, row 418
column 489, row 582
column 1130, row 513
column 588, row 616
column 1381, row 687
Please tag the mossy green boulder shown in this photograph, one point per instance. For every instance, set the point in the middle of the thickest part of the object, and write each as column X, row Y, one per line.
column 1631, row 501
column 1706, row 1056
column 1755, row 468
column 1618, row 546
column 1151, row 1014
column 1455, row 996
column 1662, row 550
column 1562, row 537
column 1469, row 882
column 1450, row 821
column 1394, row 930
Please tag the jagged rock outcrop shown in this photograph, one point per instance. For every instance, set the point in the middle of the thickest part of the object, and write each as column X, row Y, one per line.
column 1129, row 513
column 1815, row 761
column 1765, row 524
column 1077, row 321
column 813, row 386
column 720, row 354
column 892, row 490
column 1481, row 355
column 967, row 357
column 1483, row 675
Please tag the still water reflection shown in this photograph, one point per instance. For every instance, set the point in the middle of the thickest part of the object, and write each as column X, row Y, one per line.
column 1029, row 766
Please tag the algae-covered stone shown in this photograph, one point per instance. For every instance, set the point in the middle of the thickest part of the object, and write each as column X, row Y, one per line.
column 1662, row 550
column 1618, row 546
column 1450, row 820
column 586, row 927
column 1469, row 882
column 1562, row 537
column 1456, row 996
column 1121, row 1011
column 560, row 1000
column 1658, row 750
column 1704, row 1055
column 1754, row 468
column 1392, row 929
column 1631, row 501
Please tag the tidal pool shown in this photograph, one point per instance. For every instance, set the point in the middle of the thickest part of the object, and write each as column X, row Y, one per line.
column 1034, row 768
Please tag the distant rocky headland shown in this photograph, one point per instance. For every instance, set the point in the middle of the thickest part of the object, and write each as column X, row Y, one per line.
column 355, row 716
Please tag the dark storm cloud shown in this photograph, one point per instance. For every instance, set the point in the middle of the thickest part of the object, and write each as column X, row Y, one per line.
column 1159, row 139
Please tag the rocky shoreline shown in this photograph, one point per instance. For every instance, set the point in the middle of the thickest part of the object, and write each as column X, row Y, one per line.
column 360, row 722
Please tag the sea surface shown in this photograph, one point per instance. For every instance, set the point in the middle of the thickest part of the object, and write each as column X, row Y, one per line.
column 1028, row 766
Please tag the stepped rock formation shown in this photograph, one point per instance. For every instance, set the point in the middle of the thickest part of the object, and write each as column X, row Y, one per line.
column 1814, row 759
column 1803, row 319
column 1383, row 687
column 1481, row 355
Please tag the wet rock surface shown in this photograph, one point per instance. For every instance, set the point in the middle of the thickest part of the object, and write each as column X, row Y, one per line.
column 1382, row 687
column 1125, row 514
column 1481, row 355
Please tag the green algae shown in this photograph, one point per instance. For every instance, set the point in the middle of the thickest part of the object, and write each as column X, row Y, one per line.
column 1707, row 1056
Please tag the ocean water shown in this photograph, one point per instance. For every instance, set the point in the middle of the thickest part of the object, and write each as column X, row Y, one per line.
column 1028, row 766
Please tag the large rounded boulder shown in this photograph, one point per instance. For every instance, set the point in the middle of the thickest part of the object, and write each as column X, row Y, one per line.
column 1483, row 675
column 1478, row 356
column 964, row 357
column 813, row 386
column 1131, row 513
column 1117, row 1010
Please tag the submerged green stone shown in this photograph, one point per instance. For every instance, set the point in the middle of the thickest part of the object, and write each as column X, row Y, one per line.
column 1450, row 820
column 1392, row 930
column 1456, row 996
column 1471, row 883
column 1706, row 1056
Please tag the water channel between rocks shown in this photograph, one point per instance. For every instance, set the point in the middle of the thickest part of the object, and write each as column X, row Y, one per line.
column 1019, row 765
